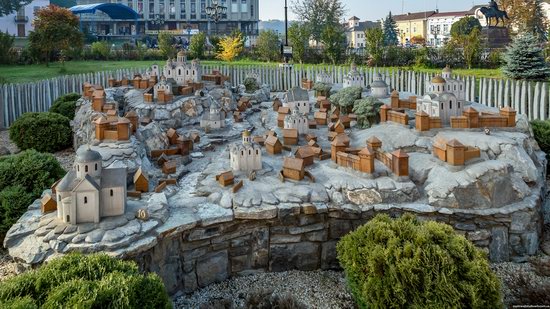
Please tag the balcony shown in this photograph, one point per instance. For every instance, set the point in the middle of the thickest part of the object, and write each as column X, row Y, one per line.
column 21, row 19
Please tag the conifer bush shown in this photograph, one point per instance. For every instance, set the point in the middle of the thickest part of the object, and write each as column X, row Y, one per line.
column 45, row 132
column 65, row 105
column 251, row 85
column 541, row 130
column 85, row 281
column 396, row 263
column 346, row 97
column 524, row 59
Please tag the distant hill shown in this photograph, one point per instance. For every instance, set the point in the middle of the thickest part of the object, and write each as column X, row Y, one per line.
column 274, row 24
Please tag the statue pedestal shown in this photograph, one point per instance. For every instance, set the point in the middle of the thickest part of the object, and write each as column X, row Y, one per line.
column 495, row 37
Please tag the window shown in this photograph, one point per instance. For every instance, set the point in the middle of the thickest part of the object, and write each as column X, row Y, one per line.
column 111, row 191
column 78, row 168
column 85, row 200
column 450, row 104
column 252, row 10
column 459, row 105
column 257, row 151
column 183, row 8
column 86, row 168
column 193, row 9
column 203, row 9
column 96, row 166
column 441, row 106
column 179, row 71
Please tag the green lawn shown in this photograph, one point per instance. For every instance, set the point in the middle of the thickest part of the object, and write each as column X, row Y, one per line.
column 29, row 73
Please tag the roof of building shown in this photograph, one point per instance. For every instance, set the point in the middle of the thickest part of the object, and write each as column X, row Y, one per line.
column 400, row 153
column 305, row 152
column 366, row 151
column 340, row 140
column 272, row 140
column 455, row 143
column 226, row 176
column 87, row 155
column 320, row 115
column 438, row 80
column 450, row 14
column 290, row 133
column 113, row 177
column 113, row 10
column 413, row 16
column 374, row 140
column 293, row 163
column 472, row 11
column 354, row 18
column 297, row 94
column 364, row 25
column 378, row 84
column 131, row 114
column 139, row 173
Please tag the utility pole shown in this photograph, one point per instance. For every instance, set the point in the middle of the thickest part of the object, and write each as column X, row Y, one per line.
column 286, row 23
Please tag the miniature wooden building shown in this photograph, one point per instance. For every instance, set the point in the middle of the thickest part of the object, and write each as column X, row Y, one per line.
column 374, row 143
column 339, row 127
column 162, row 159
column 338, row 145
column 273, row 145
column 134, row 120
column 195, row 137
column 141, row 182
column 225, row 179
column 276, row 104
column 281, row 120
column 400, row 163
column 346, row 121
column 48, row 204
column 290, row 136
column 307, row 154
column 366, row 160
column 169, row 167
column 320, row 118
column 185, row 145
column 172, row 136
column 98, row 100
column 284, row 110
column 293, row 168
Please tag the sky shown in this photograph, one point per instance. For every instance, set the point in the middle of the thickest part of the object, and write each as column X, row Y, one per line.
column 372, row 9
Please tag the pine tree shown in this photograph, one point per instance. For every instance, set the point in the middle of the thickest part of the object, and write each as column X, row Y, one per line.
column 524, row 59
column 390, row 31
column 537, row 23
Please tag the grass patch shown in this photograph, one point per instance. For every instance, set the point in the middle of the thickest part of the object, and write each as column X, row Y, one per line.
column 35, row 72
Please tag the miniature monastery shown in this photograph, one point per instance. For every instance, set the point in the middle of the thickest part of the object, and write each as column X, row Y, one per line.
column 445, row 98
column 323, row 77
column 379, row 88
column 297, row 97
column 247, row 155
column 354, row 78
column 180, row 70
column 88, row 192
column 296, row 121
column 215, row 118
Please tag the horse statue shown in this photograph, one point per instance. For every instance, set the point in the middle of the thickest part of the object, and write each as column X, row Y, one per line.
column 493, row 12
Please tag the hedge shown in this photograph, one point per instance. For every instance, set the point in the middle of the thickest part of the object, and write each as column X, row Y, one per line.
column 407, row 263
column 45, row 132
column 65, row 105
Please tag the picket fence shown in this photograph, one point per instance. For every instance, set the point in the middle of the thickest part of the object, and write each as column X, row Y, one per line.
column 527, row 98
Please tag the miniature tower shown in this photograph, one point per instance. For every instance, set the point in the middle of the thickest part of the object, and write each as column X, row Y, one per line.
column 438, row 84
column 246, row 137
column 447, row 72
column 182, row 57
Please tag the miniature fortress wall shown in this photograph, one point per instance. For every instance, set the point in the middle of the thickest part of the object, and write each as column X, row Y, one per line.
column 454, row 152
column 397, row 103
column 397, row 116
column 470, row 119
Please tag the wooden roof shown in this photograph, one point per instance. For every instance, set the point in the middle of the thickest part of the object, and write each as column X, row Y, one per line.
column 340, row 140
column 283, row 110
column 290, row 133
column 226, row 176
column 101, row 120
column 272, row 140
column 296, row 164
column 400, row 153
column 373, row 140
column 366, row 151
column 140, row 174
column 305, row 152
column 455, row 143
column 171, row 133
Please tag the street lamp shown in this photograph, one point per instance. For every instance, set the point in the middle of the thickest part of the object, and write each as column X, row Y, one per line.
column 189, row 29
column 216, row 12
column 158, row 20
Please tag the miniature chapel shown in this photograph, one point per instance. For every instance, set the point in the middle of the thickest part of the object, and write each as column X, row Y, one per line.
column 215, row 118
column 379, row 88
column 354, row 78
column 296, row 120
column 247, row 155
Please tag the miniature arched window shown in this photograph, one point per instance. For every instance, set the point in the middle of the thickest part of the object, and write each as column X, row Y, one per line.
column 85, row 200
column 193, row 72
column 169, row 72
column 111, row 191
column 78, row 168
column 96, row 166
column 455, row 87
column 86, row 168
column 242, row 153
column 451, row 104
column 249, row 152
column 441, row 106
column 460, row 87
column 179, row 71
column 458, row 104
column 257, row 152
column 187, row 72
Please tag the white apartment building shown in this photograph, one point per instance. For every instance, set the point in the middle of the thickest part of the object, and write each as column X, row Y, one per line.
column 19, row 23
column 355, row 31
column 439, row 27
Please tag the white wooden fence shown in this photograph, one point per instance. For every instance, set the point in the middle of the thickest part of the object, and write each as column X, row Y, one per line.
column 526, row 97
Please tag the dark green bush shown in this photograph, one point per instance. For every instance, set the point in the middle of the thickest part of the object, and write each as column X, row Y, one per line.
column 251, row 84
column 45, row 132
column 65, row 105
column 407, row 263
column 23, row 178
column 86, row 281
column 541, row 130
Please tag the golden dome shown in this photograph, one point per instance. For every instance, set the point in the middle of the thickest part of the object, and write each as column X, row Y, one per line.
column 181, row 53
column 438, row 80
column 447, row 69
column 246, row 133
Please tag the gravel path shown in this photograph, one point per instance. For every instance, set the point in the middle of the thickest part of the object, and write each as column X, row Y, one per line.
column 7, row 267
column 315, row 289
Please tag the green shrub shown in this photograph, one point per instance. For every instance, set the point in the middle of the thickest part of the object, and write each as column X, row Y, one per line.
column 346, row 97
column 407, row 263
column 45, row 132
column 322, row 89
column 65, row 105
column 86, row 281
column 101, row 50
column 14, row 201
column 367, row 112
column 541, row 130
column 251, row 84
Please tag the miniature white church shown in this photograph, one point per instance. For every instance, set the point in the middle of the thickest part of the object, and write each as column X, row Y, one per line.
column 445, row 97
column 246, row 156
column 297, row 97
column 378, row 87
column 324, row 77
column 88, row 192
column 180, row 70
column 215, row 118
column 296, row 120
column 354, row 78
column 162, row 85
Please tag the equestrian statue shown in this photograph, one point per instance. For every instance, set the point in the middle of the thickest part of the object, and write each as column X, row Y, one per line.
column 493, row 12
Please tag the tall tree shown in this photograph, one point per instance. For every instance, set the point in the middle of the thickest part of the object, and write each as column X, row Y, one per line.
column 55, row 30
column 334, row 40
column 526, row 15
column 166, row 45
column 197, row 46
column 524, row 59
column 537, row 24
column 390, row 31
column 231, row 47
column 9, row 6
column 464, row 26
column 374, row 41
column 268, row 45
column 298, row 38
column 317, row 14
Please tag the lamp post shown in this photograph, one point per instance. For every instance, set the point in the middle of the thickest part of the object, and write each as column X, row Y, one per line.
column 188, row 35
column 158, row 21
column 216, row 12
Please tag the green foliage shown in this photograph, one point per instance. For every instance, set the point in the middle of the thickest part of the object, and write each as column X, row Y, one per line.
column 465, row 26
column 346, row 97
column 251, row 84
column 367, row 111
column 390, row 31
column 86, row 281
column 322, row 88
column 319, row 14
column 197, row 47
column 541, row 131
column 9, row 6
column 333, row 38
column 524, row 59
column 537, row 23
column 407, row 263
column 6, row 48
column 298, row 38
column 374, row 41
column 101, row 50
column 23, row 177
column 215, row 41
column 166, row 45
column 470, row 45
column 45, row 132
column 268, row 45
column 65, row 105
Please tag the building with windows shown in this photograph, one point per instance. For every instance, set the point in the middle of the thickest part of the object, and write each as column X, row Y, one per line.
column 182, row 18
column 439, row 27
column 19, row 23
column 247, row 155
column 355, row 31
column 412, row 25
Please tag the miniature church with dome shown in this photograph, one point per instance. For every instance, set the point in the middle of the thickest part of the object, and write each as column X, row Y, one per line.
column 445, row 97
column 296, row 120
column 354, row 78
column 247, row 155
column 180, row 70
column 89, row 192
